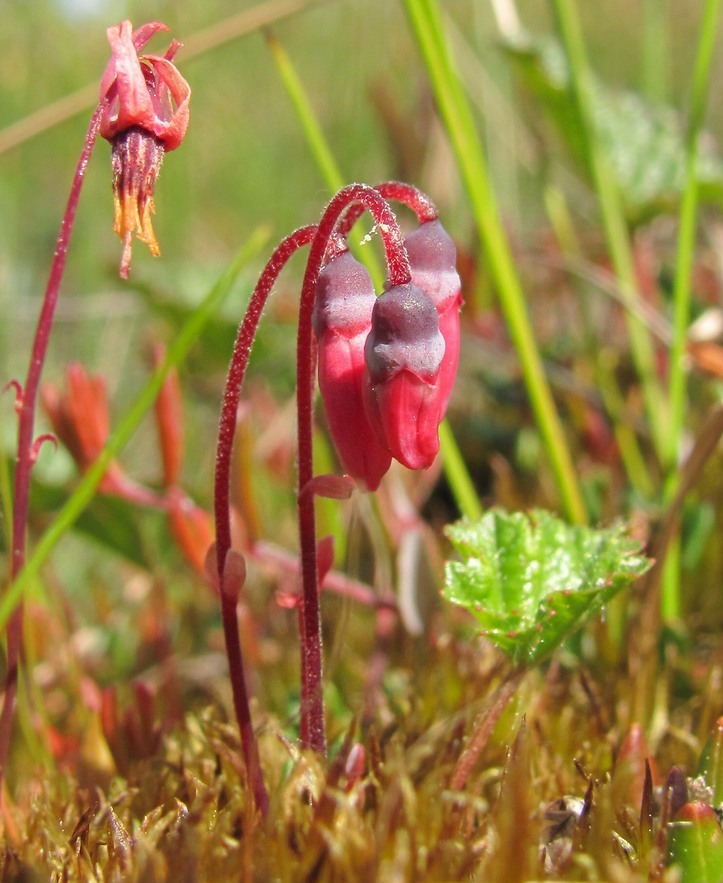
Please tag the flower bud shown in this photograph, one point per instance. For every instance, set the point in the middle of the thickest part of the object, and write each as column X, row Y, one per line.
column 403, row 396
column 433, row 257
column 342, row 318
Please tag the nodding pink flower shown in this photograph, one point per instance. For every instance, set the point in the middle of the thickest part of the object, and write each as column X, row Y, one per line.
column 403, row 395
column 342, row 317
column 146, row 114
column 433, row 259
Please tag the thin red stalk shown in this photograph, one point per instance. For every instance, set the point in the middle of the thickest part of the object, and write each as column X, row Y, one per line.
column 483, row 727
column 312, row 702
column 26, row 401
column 226, row 432
column 411, row 196
column 236, row 373
column 337, row 583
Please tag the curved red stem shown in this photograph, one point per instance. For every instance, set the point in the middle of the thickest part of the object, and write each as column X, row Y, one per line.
column 222, row 514
column 312, row 704
column 26, row 424
column 400, row 191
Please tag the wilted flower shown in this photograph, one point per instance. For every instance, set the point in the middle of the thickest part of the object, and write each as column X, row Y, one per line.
column 146, row 114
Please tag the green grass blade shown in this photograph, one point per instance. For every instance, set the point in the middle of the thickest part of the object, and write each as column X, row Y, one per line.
column 457, row 116
column 458, row 477
column 655, row 67
column 612, row 213
column 685, row 253
column 330, row 171
column 687, row 230
column 86, row 489
column 602, row 371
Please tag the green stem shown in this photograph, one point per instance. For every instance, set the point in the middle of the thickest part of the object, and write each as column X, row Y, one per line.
column 313, row 132
column 456, row 114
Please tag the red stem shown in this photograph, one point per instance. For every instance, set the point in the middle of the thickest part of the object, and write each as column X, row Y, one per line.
column 27, row 399
column 411, row 196
column 222, row 513
column 312, row 703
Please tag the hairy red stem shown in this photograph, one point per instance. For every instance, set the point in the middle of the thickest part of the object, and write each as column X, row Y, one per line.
column 222, row 514
column 26, row 402
column 312, row 703
column 411, row 196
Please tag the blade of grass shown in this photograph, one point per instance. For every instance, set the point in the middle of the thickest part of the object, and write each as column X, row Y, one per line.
column 613, row 215
column 670, row 595
column 656, row 48
column 319, row 146
column 88, row 484
column 456, row 114
column 602, row 367
column 458, row 477
column 687, row 229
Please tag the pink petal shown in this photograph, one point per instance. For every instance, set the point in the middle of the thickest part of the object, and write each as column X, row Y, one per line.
column 134, row 106
column 406, row 412
column 144, row 33
column 173, row 129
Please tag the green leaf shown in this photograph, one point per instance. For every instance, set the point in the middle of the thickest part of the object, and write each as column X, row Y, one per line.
column 644, row 143
column 531, row 580
column 695, row 844
column 111, row 522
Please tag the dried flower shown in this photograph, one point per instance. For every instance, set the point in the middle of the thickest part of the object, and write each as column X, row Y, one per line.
column 146, row 114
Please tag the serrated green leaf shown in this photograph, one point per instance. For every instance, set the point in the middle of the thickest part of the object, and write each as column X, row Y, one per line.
column 644, row 143
column 531, row 580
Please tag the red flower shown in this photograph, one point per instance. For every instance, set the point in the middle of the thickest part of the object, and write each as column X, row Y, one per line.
column 404, row 395
column 146, row 114
column 342, row 317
